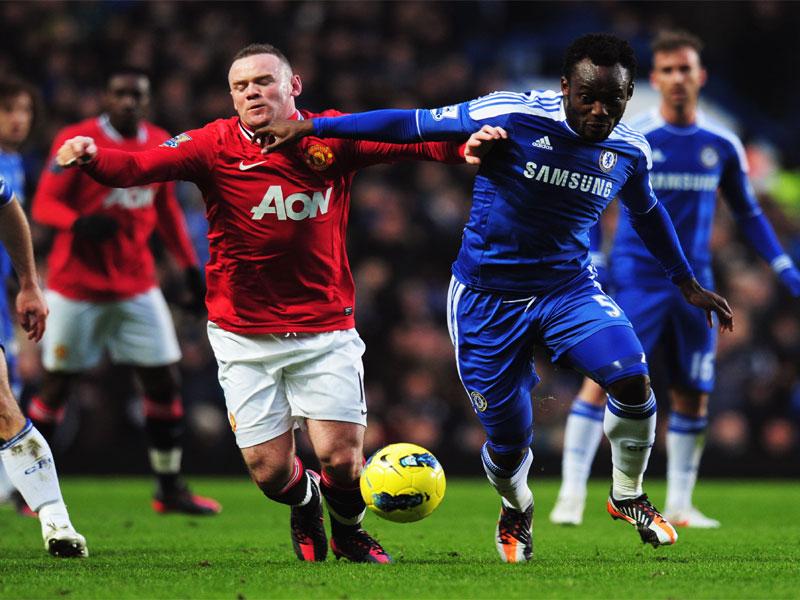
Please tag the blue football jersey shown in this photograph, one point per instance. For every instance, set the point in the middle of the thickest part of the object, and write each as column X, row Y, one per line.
column 689, row 165
column 13, row 173
column 537, row 195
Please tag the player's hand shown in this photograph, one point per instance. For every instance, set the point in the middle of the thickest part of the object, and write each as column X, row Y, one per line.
column 481, row 142
column 76, row 151
column 791, row 279
column 32, row 311
column 95, row 228
column 710, row 302
column 281, row 132
column 196, row 287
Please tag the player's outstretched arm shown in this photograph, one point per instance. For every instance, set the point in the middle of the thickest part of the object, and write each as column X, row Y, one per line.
column 390, row 125
column 710, row 302
column 15, row 235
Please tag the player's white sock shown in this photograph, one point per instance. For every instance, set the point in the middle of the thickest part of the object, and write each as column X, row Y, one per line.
column 581, row 438
column 511, row 485
column 6, row 487
column 165, row 462
column 30, row 466
column 685, row 443
column 631, row 430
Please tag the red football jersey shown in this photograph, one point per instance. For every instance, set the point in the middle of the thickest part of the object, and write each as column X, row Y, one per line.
column 122, row 266
column 277, row 222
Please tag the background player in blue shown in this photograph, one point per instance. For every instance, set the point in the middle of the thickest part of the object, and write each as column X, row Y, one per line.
column 692, row 158
column 24, row 452
column 523, row 275
column 16, row 120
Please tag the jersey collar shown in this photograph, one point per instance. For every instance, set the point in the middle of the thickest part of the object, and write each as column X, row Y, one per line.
column 108, row 129
column 248, row 133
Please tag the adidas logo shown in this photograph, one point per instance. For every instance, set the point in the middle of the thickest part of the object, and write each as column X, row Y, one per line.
column 658, row 155
column 543, row 143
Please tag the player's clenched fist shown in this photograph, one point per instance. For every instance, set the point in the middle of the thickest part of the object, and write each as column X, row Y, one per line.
column 76, row 151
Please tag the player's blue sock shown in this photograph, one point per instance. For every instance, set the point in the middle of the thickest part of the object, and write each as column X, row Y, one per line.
column 685, row 443
column 631, row 430
column 345, row 506
column 582, row 436
column 512, row 485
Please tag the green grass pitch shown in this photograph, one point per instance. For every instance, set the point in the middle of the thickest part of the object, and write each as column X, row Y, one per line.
column 245, row 553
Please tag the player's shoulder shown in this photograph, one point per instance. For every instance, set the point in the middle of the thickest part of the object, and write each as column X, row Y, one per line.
column 541, row 103
column 156, row 133
column 329, row 112
column 88, row 127
column 646, row 122
column 625, row 136
column 719, row 132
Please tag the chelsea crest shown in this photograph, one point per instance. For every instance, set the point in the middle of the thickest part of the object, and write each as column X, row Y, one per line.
column 607, row 160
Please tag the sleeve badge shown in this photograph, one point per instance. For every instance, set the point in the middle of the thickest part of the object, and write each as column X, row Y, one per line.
column 176, row 141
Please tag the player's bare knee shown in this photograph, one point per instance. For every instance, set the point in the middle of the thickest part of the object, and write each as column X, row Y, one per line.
column 269, row 474
column 160, row 383
column 55, row 388
column 632, row 390
column 692, row 403
column 592, row 393
column 343, row 466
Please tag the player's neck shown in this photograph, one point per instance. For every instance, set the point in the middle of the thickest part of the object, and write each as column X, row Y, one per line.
column 682, row 116
column 8, row 148
column 126, row 130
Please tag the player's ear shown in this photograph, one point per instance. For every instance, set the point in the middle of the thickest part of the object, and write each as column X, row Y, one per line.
column 564, row 86
column 631, row 85
column 297, row 85
column 703, row 76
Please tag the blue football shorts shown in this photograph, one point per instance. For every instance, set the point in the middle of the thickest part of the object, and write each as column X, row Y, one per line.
column 494, row 335
column 660, row 315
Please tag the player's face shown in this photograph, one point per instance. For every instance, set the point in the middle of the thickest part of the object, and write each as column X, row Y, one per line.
column 127, row 99
column 678, row 76
column 263, row 88
column 16, row 118
column 595, row 98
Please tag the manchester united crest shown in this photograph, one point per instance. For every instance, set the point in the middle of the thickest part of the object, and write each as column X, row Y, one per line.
column 232, row 421
column 318, row 156
column 61, row 352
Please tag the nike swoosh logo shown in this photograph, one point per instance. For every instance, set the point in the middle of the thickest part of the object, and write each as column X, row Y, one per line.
column 363, row 412
column 244, row 167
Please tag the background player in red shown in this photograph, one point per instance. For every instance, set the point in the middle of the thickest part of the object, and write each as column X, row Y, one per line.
column 102, row 287
column 280, row 292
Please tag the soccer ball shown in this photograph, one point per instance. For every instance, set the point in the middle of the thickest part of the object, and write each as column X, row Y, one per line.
column 402, row 483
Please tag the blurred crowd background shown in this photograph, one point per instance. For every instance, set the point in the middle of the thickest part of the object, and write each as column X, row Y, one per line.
column 406, row 220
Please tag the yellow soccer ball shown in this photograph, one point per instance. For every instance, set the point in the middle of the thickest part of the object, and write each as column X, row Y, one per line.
column 402, row 483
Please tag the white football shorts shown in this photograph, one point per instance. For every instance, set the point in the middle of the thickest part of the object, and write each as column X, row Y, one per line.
column 274, row 382
column 136, row 331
